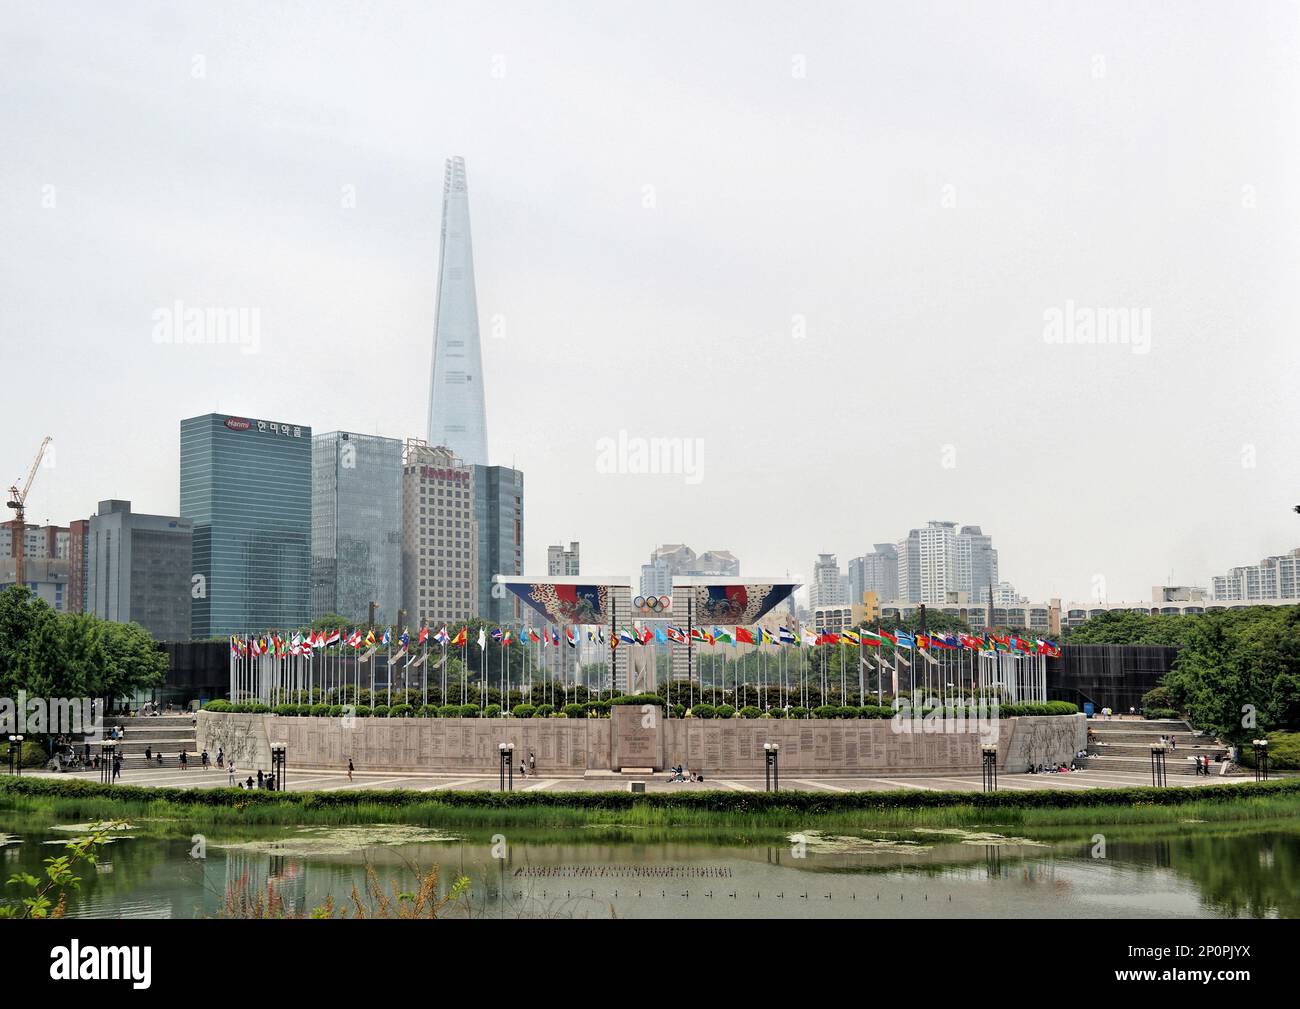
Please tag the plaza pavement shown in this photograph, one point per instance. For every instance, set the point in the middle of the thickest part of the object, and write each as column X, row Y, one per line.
column 337, row 781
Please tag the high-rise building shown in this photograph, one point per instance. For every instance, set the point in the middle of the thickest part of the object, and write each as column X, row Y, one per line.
column 1276, row 577
column 246, row 487
column 941, row 564
column 79, row 567
column 440, row 570
column 561, row 562
column 983, row 561
column 499, row 517
column 46, row 564
column 679, row 559
column 139, row 569
column 907, row 567
column 457, row 414
column 827, row 588
column 356, row 526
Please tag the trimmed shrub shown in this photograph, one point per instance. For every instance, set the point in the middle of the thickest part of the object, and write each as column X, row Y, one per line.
column 427, row 711
column 218, row 704
column 449, row 711
column 574, row 711
column 704, row 711
column 775, row 712
column 749, row 711
column 362, row 711
column 1161, row 713
column 379, row 711
column 726, row 711
column 826, row 711
column 524, row 710
column 544, row 711
column 492, row 711
column 401, row 711
column 320, row 710
column 798, row 712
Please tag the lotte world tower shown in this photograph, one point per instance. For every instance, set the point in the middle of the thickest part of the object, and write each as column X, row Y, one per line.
column 457, row 415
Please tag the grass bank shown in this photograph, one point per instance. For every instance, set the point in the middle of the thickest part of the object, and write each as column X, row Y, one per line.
column 736, row 815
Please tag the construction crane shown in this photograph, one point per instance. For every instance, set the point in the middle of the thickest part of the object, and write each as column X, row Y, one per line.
column 18, row 502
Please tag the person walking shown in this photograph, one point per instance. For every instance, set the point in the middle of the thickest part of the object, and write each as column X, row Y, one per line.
column 148, row 753
column 184, row 761
column 230, row 774
column 532, row 763
column 350, row 768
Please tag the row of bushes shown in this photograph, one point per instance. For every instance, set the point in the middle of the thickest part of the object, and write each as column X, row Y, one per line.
column 717, row 801
column 602, row 709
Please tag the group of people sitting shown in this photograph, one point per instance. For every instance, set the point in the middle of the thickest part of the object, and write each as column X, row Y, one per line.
column 679, row 773
column 1060, row 768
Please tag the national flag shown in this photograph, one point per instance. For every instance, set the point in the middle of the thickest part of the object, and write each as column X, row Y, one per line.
column 570, row 637
column 405, row 639
column 496, row 634
column 600, row 635
column 626, row 637
column 661, row 636
column 533, row 636
column 743, row 637
column 388, row 637
column 785, row 636
column 441, row 637
column 905, row 640
column 723, row 635
column 482, row 638
column 675, row 635
column 871, row 639
column 424, row 635
column 370, row 636
column 851, row 637
column 507, row 638
column 462, row 637
column 334, row 637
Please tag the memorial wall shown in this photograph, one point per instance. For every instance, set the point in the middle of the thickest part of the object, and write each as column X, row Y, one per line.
column 637, row 738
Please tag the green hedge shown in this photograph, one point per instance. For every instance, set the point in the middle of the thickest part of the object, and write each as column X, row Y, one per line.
column 719, row 801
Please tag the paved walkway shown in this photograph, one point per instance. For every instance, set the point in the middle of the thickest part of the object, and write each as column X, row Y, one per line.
column 336, row 781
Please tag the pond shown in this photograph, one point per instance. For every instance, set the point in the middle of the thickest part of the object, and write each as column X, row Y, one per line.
column 164, row 869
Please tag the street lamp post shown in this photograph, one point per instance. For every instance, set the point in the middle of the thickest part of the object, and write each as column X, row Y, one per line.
column 16, row 755
column 507, row 754
column 1261, row 759
column 1158, row 779
column 107, row 759
column 772, row 766
column 278, row 765
column 989, row 755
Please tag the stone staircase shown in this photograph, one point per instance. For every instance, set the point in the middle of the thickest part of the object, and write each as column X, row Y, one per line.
column 1124, row 744
column 166, row 734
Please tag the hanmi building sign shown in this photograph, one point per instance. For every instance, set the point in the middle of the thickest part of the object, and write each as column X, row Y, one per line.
column 264, row 427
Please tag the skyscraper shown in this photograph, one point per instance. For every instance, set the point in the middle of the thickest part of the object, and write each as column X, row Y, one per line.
column 439, row 536
column 562, row 562
column 457, row 415
column 246, row 486
column 356, row 526
column 139, row 569
column 499, row 516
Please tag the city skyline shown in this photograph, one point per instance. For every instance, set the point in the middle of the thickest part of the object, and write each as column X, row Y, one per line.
column 634, row 291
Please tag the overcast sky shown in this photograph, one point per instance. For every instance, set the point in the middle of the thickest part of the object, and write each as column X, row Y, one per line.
column 825, row 240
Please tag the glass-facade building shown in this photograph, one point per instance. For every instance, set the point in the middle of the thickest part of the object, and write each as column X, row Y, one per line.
column 246, row 486
column 356, row 526
column 499, row 515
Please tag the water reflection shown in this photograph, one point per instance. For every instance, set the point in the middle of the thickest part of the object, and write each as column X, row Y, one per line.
column 1204, row 872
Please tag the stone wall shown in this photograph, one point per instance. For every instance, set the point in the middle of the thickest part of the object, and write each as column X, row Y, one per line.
column 565, row 746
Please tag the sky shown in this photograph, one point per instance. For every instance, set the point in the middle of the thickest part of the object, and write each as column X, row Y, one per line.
column 847, row 257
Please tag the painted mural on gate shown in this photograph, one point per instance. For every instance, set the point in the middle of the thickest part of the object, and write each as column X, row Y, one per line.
column 737, row 604
column 565, row 604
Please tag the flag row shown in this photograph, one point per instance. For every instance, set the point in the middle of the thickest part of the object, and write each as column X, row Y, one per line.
column 299, row 644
